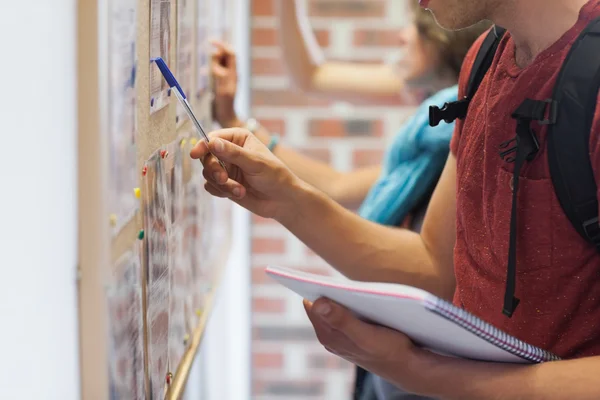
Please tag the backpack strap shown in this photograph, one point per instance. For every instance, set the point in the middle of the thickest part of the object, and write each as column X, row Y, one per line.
column 576, row 93
column 569, row 115
column 458, row 109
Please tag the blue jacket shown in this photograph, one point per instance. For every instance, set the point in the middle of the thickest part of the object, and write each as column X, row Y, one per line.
column 411, row 165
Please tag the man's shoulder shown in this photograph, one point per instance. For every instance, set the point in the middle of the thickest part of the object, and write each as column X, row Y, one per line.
column 469, row 60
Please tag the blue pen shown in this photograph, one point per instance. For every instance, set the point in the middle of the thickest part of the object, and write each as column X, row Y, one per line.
column 172, row 82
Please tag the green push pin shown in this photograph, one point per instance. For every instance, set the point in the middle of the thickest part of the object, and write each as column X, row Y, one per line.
column 141, row 234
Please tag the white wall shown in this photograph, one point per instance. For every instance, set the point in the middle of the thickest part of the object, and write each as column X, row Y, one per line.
column 226, row 350
column 38, row 210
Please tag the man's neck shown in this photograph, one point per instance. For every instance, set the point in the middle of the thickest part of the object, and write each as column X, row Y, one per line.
column 536, row 24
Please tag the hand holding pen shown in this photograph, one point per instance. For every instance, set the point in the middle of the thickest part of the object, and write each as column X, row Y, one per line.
column 176, row 88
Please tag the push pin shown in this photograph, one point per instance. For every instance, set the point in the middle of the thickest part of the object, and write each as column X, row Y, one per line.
column 183, row 143
column 164, row 153
column 169, row 378
column 152, row 102
column 198, row 312
column 141, row 234
column 137, row 192
column 169, row 92
column 113, row 219
column 186, row 339
column 144, row 171
column 193, row 141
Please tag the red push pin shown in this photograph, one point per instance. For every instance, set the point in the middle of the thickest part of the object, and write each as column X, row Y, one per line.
column 169, row 378
column 144, row 171
column 163, row 153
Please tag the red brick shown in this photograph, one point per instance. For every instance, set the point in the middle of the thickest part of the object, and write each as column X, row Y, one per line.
column 264, row 305
column 321, row 154
column 286, row 98
column 263, row 7
column 269, row 37
column 322, row 37
column 264, row 37
column 306, row 388
column 267, row 67
column 268, row 245
column 274, row 126
column 339, row 128
column 326, row 128
column 259, row 277
column 376, row 37
column 267, row 360
column 347, row 8
column 366, row 158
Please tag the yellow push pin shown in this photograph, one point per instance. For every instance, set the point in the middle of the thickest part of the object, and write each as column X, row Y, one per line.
column 113, row 219
column 183, row 143
column 137, row 192
column 198, row 312
column 193, row 141
column 186, row 339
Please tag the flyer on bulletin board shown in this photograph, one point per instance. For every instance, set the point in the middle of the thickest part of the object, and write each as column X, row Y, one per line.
column 157, row 224
column 203, row 47
column 121, row 114
column 125, row 327
column 160, row 45
column 185, row 51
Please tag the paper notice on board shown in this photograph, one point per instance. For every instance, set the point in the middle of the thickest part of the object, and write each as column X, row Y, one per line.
column 203, row 47
column 125, row 327
column 177, row 264
column 121, row 102
column 185, row 50
column 160, row 45
column 157, row 225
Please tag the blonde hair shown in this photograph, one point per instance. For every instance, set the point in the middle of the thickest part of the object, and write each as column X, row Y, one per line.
column 452, row 46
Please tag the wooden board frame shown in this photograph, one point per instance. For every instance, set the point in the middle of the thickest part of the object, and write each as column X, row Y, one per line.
column 98, row 249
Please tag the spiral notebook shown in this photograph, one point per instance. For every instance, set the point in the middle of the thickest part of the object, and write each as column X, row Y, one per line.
column 429, row 321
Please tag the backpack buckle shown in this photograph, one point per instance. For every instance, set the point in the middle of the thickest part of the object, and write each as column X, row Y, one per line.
column 550, row 109
column 449, row 112
column 592, row 230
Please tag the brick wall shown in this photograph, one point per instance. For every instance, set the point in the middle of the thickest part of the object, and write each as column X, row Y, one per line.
column 288, row 362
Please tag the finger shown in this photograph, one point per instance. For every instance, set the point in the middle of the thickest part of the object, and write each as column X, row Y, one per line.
column 213, row 190
column 251, row 162
column 230, row 187
column 200, row 150
column 334, row 341
column 219, row 71
column 341, row 319
column 213, row 170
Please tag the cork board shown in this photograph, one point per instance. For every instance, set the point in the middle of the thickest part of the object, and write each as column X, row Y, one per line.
column 165, row 241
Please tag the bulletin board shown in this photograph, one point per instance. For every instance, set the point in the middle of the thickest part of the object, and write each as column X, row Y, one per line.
column 166, row 239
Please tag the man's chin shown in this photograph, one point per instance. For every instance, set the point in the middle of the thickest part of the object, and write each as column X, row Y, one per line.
column 449, row 23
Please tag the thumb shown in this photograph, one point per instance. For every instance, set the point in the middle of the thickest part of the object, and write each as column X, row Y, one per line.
column 343, row 320
column 250, row 162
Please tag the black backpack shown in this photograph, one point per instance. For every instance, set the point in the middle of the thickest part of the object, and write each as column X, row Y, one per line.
column 569, row 115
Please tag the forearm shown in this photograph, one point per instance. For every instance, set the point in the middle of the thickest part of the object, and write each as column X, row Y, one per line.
column 348, row 189
column 363, row 250
column 456, row 379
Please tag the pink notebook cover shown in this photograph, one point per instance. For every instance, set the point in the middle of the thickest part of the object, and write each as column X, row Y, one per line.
column 429, row 321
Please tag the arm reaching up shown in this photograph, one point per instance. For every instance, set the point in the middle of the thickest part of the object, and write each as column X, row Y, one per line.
column 308, row 69
column 347, row 188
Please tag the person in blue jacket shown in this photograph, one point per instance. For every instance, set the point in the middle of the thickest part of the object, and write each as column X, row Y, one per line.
column 396, row 191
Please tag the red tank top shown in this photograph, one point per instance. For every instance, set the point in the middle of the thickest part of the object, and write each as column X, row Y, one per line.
column 558, row 273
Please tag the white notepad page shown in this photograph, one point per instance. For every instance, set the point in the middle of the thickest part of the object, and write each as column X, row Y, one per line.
column 429, row 321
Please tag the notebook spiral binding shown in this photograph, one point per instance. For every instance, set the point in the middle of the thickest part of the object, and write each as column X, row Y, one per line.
column 489, row 332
